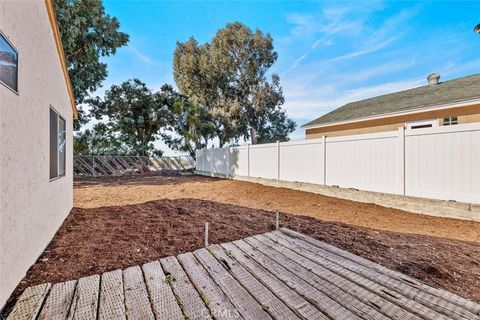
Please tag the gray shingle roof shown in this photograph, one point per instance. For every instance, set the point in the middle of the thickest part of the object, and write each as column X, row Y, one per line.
column 455, row 90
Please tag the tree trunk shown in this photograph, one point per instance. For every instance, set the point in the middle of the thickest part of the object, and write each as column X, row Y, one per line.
column 253, row 135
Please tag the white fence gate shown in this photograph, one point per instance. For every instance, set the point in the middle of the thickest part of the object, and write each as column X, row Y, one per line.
column 438, row 163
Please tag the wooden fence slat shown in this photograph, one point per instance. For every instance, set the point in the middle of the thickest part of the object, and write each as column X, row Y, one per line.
column 120, row 169
column 248, row 307
column 96, row 166
column 322, row 301
column 112, row 299
column 58, row 302
column 29, row 303
column 271, row 304
column 164, row 303
column 137, row 303
column 104, row 161
column 216, row 301
column 85, row 302
column 303, row 308
column 131, row 168
column 87, row 166
column 396, row 283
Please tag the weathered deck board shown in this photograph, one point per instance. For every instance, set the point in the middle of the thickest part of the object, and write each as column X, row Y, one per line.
column 354, row 281
column 280, row 275
column 274, row 306
column 112, row 299
column 85, row 301
column 295, row 282
column 248, row 307
column 374, row 301
column 190, row 301
column 29, row 303
column 303, row 308
column 451, row 297
column 164, row 303
column 213, row 297
column 346, row 300
column 410, row 290
column 137, row 304
column 57, row 305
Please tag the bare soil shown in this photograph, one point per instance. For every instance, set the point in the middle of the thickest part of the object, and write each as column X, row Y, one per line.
column 93, row 193
column 124, row 222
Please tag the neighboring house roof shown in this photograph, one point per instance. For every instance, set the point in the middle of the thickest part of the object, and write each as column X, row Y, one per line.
column 58, row 42
column 457, row 90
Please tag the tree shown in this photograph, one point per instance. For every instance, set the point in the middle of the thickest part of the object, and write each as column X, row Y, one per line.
column 195, row 76
column 98, row 141
column 135, row 114
column 192, row 127
column 228, row 77
column 88, row 34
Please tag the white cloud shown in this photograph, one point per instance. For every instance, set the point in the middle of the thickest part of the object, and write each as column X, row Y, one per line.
column 142, row 57
column 319, row 104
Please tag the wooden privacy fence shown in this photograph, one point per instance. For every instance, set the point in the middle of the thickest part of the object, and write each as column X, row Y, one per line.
column 439, row 163
column 129, row 165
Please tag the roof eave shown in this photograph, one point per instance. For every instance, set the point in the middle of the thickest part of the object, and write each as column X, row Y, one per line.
column 456, row 104
column 58, row 43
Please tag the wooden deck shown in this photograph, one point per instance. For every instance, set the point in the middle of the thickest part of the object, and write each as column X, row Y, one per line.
column 279, row 275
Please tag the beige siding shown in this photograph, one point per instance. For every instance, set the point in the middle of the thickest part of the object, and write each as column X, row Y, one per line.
column 468, row 114
column 471, row 118
column 390, row 127
column 32, row 207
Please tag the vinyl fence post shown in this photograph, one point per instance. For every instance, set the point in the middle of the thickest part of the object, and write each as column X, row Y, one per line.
column 248, row 160
column 401, row 136
column 324, row 144
column 278, row 160
column 227, row 171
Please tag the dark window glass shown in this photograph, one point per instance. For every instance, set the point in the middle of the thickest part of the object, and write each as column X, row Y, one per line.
column 53, row 144
column 61, row 146
column 8, row 64
column 448, row 121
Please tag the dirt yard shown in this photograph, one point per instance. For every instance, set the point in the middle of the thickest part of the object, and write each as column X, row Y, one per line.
column 128, row 221
column 90, row 193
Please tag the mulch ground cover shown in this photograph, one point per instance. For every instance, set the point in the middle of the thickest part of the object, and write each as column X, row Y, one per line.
column 96, row 240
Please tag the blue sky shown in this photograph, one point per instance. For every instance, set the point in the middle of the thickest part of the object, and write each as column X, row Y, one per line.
column 330, row 53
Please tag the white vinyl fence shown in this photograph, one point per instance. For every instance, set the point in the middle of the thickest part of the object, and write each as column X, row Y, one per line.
column 438, row 163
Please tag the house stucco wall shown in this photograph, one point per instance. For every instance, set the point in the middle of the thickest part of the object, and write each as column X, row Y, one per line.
column 32, row 206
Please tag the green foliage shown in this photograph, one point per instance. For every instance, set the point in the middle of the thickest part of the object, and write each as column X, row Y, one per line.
column 227, row 77
column 191, row 128
column 135, row 114
column 88, row 34
column 98, row 140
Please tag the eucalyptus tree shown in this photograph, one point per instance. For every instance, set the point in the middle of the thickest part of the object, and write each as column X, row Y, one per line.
column 88, row 33
column 228, row 77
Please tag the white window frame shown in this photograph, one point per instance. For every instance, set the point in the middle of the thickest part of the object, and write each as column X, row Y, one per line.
column 449, row 122
column 413, row 125
column 59, row 116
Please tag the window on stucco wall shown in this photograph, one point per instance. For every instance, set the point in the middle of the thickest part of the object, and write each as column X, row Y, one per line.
column 57, row 145
column 8, row 64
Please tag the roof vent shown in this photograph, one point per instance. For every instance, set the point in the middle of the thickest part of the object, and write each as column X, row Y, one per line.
column 433, row 78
